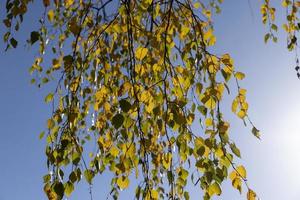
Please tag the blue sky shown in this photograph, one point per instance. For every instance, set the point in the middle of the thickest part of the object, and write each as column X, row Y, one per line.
column 273, row 94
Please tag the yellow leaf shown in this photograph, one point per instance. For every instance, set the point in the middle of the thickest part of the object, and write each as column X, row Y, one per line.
column 214, row 189
column 227, row 60
column 123, row 182
column 49, row 192
column 149, row 107
column 154, row 194
column 74, row 84
column 50, row 15
column 167, row 159
column 184, row 31
column 219, row 153
column 226, row 162
column 145, row 96
column 104, row 143
column 114, row 151
column 131, row 151
column 140, row 53
column 68, row 2
column 285, row 3
column 55, row 64
column 208, row 122
column 239, row 75
column 50, row 123
column 207, row 13
column 244, row 106
column 213, row 69
column 106, row 107
column 156, row 11
column 148, row 2
column 220, row 90
column 210, row 103
column 241, row 171
column 241, row 114
column 243, row 91
column 233, row 175
column 199, row 143
column 156, row 68
column 237, row 183
column 100, row 94
column 251, row 195
column 197, row 5
column 209, row 36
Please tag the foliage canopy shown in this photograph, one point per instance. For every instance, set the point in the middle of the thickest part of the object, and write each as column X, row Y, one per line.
column 139, row 80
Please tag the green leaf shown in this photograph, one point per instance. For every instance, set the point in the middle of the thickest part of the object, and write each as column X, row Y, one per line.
column 47, row 178
column 138, row 192
column 186, row 196
column 73, row 177
column 117, row 120
column 256, row 132
column 32, row 81
column 267, row 36
column 170, row 176
column 76, row 158
column 7, row 23
column 183, row 174
column 34, row 36
column 201, row 151
column 45, row 80
column 199, row 87
column 6, row 36
column 179, row 118
column 202, row 110
column 274, row 27
column 41, row 135
column 235, row 150
column 13, row 42
column 58, row 188
column 125, row 105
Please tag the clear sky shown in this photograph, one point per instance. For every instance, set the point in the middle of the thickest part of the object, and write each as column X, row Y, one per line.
column 273, row 94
